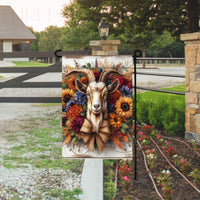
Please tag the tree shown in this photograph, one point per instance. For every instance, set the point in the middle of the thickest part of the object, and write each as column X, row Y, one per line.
column 34, row 44
column 78, row 38
column 192, row 8
column 175, row 16
column 81, row 27
column 137, row 23
column 51, row 39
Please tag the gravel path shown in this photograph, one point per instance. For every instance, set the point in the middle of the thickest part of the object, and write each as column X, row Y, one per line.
column 31, row 183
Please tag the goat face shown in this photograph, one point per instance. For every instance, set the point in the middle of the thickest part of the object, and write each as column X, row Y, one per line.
column 97, row 93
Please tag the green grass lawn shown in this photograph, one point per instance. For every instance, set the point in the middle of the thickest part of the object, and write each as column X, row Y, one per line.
column 44, row 142
column 155, row 96
column 179, row 88
column 30, row 64
column 47, row 104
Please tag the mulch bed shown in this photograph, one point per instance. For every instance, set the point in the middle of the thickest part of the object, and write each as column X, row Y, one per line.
column 143, row 189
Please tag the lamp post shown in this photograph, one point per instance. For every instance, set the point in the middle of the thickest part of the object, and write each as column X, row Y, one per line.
column 103, row 29
column 104, row 47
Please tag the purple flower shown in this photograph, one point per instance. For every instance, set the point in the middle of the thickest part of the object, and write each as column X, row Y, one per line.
column 111, row 107
column 126, row 91
column 80, row 98
column 69, row 104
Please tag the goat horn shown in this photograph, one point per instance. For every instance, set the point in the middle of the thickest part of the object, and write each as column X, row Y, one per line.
column 88, row 73
column 105, row 74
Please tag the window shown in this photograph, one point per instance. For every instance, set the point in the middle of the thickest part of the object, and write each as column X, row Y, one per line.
column 16, row 46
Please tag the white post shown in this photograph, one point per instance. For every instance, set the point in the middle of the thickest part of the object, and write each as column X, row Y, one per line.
column 92, row 180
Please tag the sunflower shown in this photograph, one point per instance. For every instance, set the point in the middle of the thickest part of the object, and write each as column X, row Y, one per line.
column 115, row 121
column 67, row 95
column 71, row 82
column 124, row 107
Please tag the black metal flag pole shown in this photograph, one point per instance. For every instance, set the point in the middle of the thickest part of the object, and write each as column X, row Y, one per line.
column 137, row 53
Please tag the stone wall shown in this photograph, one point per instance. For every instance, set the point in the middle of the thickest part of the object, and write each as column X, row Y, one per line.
column 192, row 83
column 105, row 47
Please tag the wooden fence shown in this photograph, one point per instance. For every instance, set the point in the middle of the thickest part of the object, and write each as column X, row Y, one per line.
column 30, row 72
column 43, row 56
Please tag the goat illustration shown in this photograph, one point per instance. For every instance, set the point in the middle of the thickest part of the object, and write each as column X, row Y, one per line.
column 95, row 128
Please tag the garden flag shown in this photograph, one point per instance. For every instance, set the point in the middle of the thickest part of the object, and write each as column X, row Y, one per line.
column 97, row 109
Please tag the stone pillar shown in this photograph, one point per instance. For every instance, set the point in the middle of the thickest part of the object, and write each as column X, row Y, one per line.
column 192, row 83
column 105, row 47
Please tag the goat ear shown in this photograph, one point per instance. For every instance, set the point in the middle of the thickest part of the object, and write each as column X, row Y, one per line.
column 113, row 86
column 80, row 86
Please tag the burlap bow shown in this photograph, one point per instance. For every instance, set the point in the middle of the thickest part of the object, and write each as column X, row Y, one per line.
column 89, row 136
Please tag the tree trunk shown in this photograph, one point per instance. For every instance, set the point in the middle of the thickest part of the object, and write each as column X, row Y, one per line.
column 143, row 61
column 193, row 15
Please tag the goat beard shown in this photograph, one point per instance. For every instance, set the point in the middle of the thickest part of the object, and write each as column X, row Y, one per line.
column 96, row 121
column 89, row 135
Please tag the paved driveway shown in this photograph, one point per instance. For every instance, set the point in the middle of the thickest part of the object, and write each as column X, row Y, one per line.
column 161, row 81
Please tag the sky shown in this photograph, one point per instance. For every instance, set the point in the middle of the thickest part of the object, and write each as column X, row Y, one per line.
column 38, row 14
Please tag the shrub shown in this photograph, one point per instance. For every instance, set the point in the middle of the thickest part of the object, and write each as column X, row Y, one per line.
column 164, row 111
column 108, row 163
column 155, row 109
column 196, row 175
column 142, row 110
column 109, row 190
column 174, row 119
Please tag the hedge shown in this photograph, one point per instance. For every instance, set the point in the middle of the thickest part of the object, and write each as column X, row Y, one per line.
column 164, row 111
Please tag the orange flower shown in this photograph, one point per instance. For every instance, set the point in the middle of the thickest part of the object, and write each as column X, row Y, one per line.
column 68, row 139
column 124, row 107
column 74, row 111
column 115, row 121
column 84, row 80
column 117, row 141
column 95, row 70
column 128, row 79
column 64, row 81
column 125, row 138
column 71, row 82
column 66, row 132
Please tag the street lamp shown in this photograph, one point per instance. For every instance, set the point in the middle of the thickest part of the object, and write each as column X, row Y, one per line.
column 103, row 29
